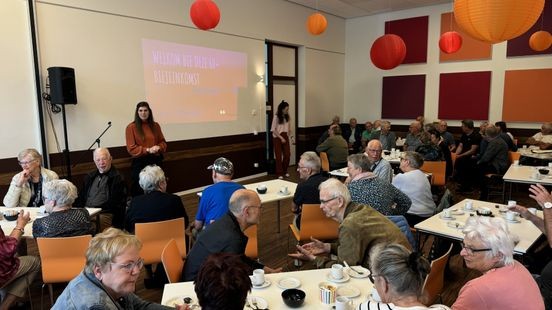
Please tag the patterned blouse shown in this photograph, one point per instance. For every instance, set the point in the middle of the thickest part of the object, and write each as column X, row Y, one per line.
column 380, row 195
column 67, row 223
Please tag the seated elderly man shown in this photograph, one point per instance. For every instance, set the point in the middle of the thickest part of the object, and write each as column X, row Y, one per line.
column 63, row 220
column 414, row 183
column 226, row 234
column 366, row 133
column 366, row 188
column 542, row 139
column 378, row 165
column 488, row 247
column 353, row 135
column 413, row 137
column 360, row 229
column 214, row 199
column 493, row 160
column 442, row 127
column 105, row 188
column 385, row 136
column 307, row 190
column 336, row 147
column 326, row 133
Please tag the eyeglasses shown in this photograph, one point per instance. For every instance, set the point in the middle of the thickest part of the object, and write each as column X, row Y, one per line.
column 130, row 266
column 327, row 200
column 374, row 151
column 254, row 207
column 301, row 167
column 472, row 251
column 23, row 163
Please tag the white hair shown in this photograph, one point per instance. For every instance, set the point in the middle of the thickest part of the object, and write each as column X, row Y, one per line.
column 337, row 189
column 150, row 177
column 61, row 191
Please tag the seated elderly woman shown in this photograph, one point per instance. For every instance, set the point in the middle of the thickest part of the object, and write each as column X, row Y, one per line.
column 26, row 186
column 15, row 271
column 366, row 188
column 488, row 247
column 63, row 220
column 222, row 282
column 414, row 183
column 109, row 277
column 398, row 276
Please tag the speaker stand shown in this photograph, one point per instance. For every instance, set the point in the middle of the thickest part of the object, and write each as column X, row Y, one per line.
column 66, row 154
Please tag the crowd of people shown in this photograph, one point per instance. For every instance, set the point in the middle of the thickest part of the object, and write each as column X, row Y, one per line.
column 363, row 205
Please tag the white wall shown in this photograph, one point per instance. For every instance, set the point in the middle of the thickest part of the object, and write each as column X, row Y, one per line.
column 363, row 81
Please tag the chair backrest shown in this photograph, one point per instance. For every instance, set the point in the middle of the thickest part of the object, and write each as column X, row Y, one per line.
column 315, row 223
column 433, row 285
column 513, row 156
column 172, row 261
column 437, row 170
column 62, row 258
column 402, row 223
column 252, row 249
column 325, row 161
column 155, row 235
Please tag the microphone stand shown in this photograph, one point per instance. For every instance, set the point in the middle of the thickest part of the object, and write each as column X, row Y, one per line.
column 97, row 140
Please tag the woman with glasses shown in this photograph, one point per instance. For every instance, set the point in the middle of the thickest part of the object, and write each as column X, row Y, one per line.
column 108, row 280
column 398, row 276
column 488, row 247
column 26, row 186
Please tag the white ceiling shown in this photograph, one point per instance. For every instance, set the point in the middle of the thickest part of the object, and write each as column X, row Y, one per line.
column 357, row 8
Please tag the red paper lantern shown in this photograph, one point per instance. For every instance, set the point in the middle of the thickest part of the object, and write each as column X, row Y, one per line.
column 316, row 24
column 540, row 41
column 388, row 51
column 205, row 14
column 450, row 42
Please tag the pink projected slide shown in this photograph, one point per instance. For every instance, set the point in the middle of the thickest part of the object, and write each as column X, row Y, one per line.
column 192, row 84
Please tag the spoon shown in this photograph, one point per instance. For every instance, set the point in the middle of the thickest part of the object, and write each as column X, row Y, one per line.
column 359, row 273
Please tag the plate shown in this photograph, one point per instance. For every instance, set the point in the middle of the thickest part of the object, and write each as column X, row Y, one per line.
column 344, row 279
column 265, row 284
column 352, row 273
column 287, row 283
column 173, row 302
column 513, row 221
column 261, row 302
column 457, row 211
column 455, row 224
column 446, row 218
column 348, row 291
column 284, row 194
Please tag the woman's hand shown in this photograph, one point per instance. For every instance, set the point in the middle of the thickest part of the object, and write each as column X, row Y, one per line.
column 23, row 219
column 24, row 177
column 540, row 194
column 282, row 139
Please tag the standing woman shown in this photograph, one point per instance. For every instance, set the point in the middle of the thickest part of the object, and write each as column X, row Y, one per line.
column 145, row 143
column 281, row 133
column 26, row 186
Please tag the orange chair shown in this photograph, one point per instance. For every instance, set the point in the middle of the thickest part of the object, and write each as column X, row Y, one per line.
column 172, row 261
column 325, row 161
column 513, row 156
column 314, row 223
column 155, row 235
column 252, row 248
column 433, row 285
column 437, row 170
column 62, row 259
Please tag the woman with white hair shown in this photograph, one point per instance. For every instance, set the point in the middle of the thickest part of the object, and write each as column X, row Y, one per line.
column 63, row 220
column 488, row 247
column 26, row 186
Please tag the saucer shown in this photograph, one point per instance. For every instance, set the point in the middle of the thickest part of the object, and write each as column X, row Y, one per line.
column 344, row 279
column 173, row 302
column 444, row 218
column 265, row 284
column 457, row 211
column 284, row 194
column 348, row 291
column 455, row 224
column 261, row 302
column 512, row 221
column 352, row 273
column 287, row 283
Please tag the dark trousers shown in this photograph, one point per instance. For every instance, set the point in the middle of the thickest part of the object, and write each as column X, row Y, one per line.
column 138, row 164
column 464, row 170
column 281, row 154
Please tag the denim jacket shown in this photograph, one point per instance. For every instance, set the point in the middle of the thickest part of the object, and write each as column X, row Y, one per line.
column 86, row 292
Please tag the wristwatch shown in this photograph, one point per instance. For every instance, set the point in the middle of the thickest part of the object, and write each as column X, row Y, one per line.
column 548, row 205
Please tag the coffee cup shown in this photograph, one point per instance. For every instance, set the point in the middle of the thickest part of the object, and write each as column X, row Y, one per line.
column 337, row 271
column 258, row 277
column 550, row 165
column 532, row 211
column 447, row 213
column 516, row 162
column 511, row 216
column 284, row 190
column 468, row 205
column 327, row 293
column 511, row 203
column 524, row 146
column 343, row 303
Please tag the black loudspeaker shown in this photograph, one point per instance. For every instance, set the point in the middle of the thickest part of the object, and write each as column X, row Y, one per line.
column 62, row 85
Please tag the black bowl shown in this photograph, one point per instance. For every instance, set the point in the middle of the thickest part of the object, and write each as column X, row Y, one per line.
column 293, row 297
column 262, row 190
column 543, row 171
column 11, row 217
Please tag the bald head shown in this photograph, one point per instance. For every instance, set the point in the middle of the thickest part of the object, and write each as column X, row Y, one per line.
column 243, row 198
column 415, row 127
column 102, row 159
column 373, row 150
column 546, row 128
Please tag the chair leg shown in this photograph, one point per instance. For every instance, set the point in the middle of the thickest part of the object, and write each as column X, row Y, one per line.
column 42, row 296
column 51, row 290
column 29, row 292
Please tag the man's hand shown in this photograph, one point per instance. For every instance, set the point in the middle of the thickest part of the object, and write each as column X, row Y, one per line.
column 317, row 247
column 303, row 254
column 540, row 194
column 521, row 210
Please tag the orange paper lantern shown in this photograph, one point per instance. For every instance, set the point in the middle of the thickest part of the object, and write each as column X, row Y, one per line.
column 495, row 21
column 388, row 51
column 316, row 24
column 450, row 42
column 205, row 14
column 540, row 41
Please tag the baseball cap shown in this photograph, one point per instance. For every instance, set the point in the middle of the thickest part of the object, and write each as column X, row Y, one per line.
column 222, row 166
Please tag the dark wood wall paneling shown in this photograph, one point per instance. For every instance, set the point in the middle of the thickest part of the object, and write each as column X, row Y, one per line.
column 186, row 162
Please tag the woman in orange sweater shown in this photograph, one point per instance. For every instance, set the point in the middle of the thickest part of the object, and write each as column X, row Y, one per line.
column 145, row 143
